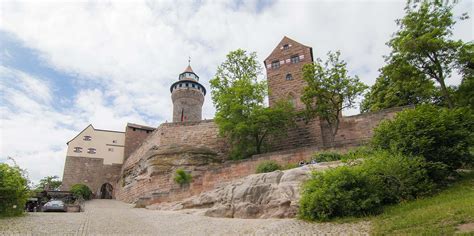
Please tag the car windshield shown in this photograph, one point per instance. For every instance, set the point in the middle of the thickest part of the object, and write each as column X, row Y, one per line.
column 56, row 202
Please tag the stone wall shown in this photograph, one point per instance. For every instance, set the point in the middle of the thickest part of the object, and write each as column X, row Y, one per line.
column 306, row 137
column 357, row 129
column 162, row 188
column 91, row 172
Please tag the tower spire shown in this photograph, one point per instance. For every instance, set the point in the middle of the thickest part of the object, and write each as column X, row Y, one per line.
column 189, row 60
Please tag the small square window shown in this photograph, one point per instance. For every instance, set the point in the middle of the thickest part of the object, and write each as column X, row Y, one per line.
column 134, row 129
column 286, row 46
column 193, row 85
column 275, row 64
column 78, row 149
column 289, row 77
column 295, row 59
column 87, row 138
column 111, row 149
column 91, row 151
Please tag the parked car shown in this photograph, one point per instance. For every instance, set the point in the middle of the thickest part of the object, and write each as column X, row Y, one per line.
column 55, row 205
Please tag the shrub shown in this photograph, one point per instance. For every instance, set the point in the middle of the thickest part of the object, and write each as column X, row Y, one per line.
column 267, row 166
column 290, row 166
column 343, row 191
column 327, row 156
column 81, row 191
column 182, row 177
column 13, row 190
column 382, row 178
column 437, row 134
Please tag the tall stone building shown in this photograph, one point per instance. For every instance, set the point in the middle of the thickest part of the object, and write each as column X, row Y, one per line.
column 187, row 95
column 284, row 71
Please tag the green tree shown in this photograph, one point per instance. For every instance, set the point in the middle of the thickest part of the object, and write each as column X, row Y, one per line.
column 330, row 90
column 399, row 84
column 14, row 190
column 424, row 41
column 238, row 96
column 49, row 183
column 465, row 92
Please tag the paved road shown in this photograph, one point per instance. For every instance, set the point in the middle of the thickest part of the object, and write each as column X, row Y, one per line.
column 118, row 218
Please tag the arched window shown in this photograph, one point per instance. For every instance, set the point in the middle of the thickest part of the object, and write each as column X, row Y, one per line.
column 289, row 77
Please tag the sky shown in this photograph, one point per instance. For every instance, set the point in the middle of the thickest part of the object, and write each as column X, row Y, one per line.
column 67, row 64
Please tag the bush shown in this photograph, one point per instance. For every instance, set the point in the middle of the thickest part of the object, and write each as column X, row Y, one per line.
column 382, row 178
column 182, row 177
column 343, row 191
column 81, row 191
column 437, row 134
column 267, row 166
column 327, row 156
column 13, row 190
column 290, row 166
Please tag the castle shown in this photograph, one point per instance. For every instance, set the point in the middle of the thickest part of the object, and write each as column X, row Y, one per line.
column 138, row 165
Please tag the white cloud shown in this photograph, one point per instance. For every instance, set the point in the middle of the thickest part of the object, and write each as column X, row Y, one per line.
column 135, row 51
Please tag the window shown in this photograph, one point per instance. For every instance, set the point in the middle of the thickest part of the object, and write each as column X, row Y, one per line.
column 78, row 149
column 111, row 149
column 286, row 46
column 295, row 59
column 87, row 138
column 114, row 141
column 180, row 85
column 148, row 131
column 91, row 150
column 275, row 64
column 187, row 85
column 289, row 77
column 134, row 129
column 193, row 85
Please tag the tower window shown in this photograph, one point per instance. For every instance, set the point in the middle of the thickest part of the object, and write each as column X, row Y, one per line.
column 295, row 59
column 87, row 138
column 193, row 85
column 78, row 149
column 289, row 77
column 275, row 64
column 91, row 151
column 187, row 85
column 286, row 46
column 180, row 85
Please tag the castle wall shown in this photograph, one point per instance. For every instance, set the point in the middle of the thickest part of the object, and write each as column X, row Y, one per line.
column 91, row 172
column 308, row 137
column 199, row 133
column 357, row 129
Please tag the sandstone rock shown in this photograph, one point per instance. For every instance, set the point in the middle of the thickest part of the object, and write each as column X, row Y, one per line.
column 267, row 195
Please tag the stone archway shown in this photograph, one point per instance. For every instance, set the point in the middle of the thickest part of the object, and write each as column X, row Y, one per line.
column 106, row 191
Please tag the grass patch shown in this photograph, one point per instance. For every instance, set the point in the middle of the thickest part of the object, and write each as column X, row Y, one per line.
column 437, row 215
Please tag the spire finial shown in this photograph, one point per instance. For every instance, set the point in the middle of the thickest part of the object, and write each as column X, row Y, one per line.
column 189, row 60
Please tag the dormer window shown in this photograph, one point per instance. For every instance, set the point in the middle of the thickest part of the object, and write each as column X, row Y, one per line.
column 275, row 64
column 91, row 151
column 286, row 46
column 78, row 149
column 289, row 77
column 295, row 59
column 87, row 138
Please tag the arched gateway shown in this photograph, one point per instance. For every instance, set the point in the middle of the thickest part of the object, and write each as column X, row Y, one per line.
column 106, row 191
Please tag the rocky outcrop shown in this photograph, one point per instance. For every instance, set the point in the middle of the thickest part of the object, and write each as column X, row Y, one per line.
column 166, row 159
column 267, row 195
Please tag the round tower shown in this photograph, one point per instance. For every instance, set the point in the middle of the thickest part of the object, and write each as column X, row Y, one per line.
column 187, row 95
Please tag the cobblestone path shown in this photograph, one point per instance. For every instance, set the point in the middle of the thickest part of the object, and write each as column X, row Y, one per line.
column 117, row 218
